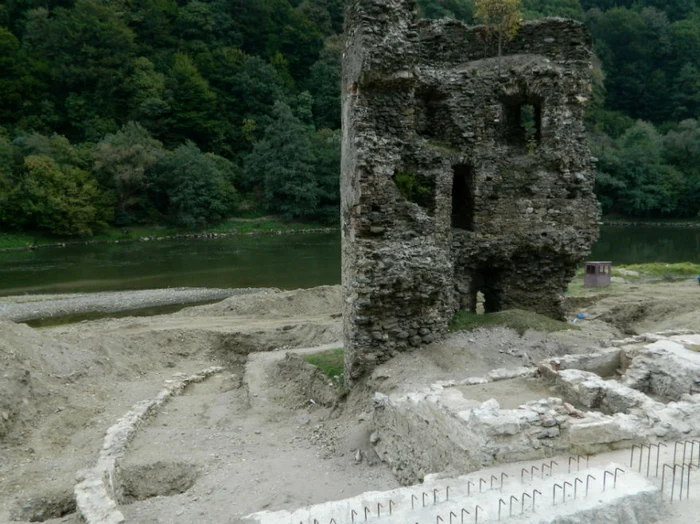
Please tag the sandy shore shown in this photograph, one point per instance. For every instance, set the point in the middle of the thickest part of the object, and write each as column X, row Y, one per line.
column 32, row 307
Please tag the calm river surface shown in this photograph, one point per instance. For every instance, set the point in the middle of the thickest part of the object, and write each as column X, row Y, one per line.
column 284, row 261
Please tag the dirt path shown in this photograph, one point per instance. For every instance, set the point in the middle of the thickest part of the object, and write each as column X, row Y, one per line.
column 31, row 307
column 246, row 458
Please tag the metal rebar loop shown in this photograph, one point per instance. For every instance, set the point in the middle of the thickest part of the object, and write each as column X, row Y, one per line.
column 565, row 484
column 504, row 475
column 687, row 484
column 641, row 452
column 391, row 503
column 617, row 470
column 534, row 500
column 532, row 471
column 546, row 466
column 379, row 509
column 522, row 502
column 438, row 519
column 332, row 521
column 576, row 486
column 493, row 477
column 587, row 457
column 447, row 492
column 685, row 447
column 510, row 509
column 571, row 459
column 554, row 493
column 476, row 513
column 452, row 514
column 682, row 466
column 353, row 514
column 501, row 503
column 367, row 512
column 523, row 470
column 605, row 477
column 588, row 479
column 480, row 481
column 413, row 497
column 658, row 450
column 463, row 512
column 634, row 446
column 435, row 492
column 675, row 449
column 424, row 495
column 663, row 477
column 469, row 487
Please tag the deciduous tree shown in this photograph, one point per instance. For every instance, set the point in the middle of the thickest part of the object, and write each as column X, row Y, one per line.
column 501, row 17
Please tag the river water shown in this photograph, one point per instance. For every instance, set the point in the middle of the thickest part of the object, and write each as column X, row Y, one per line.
column 284, row 261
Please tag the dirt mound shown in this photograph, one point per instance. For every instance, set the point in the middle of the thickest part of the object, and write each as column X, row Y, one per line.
column 273, row 303
column 299, row 383
column 650, row 315
column 25, row 361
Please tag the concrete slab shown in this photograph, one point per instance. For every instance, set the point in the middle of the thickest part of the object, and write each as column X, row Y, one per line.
column 631, row 499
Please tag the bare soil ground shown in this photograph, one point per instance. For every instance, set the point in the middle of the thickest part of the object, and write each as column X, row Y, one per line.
column 221, row 451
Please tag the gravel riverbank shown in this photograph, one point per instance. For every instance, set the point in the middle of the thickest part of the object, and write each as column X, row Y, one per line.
column 33, row 307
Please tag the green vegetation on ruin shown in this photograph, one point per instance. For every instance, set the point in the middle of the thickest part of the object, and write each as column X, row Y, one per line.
column 331, row 363
column 516, row 319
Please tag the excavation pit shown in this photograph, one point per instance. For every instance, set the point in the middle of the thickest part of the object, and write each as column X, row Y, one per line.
column 43, row 507
column 158, row 479
column 578, row 404
column 510, row 393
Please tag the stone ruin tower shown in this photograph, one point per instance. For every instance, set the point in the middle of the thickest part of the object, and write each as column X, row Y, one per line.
column 462, row 172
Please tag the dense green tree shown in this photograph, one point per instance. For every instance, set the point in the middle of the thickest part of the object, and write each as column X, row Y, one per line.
column 326, row 147
column 192, row 188
column 563, row 8
column 122, row 162
column 90, row 47
column 254, row 89
column 285, row 163
column 6, row 172
column 61, row 199
column 12, row 79
column 459, row 9
column 635, row 176
column 324, row 85
column 192, row 104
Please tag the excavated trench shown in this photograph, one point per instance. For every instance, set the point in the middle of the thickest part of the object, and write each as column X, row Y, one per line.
column 42, row 507
column 158, row 479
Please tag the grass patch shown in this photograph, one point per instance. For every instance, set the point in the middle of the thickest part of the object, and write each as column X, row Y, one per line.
column 516, row 319
column 331, row 363
column 662, row 270
column 614, row 219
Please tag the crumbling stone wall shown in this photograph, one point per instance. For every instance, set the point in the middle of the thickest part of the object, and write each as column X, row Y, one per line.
column 462, row 172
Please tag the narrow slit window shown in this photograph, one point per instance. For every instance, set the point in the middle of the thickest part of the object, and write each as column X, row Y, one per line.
column 463, row 198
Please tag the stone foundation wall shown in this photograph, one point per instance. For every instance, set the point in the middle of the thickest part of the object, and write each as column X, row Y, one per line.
column 462, row 172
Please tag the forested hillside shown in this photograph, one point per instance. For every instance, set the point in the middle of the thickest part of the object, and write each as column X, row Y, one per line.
column 152, row 111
